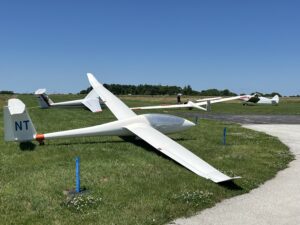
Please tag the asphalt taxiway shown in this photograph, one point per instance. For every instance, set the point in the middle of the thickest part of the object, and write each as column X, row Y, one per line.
column 276, row 202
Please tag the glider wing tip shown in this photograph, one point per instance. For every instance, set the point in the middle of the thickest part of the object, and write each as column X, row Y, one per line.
column 89, row 74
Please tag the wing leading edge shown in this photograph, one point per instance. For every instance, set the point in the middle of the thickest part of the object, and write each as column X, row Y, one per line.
column 220, row 100
column 190, row 104
column 177, row 152
column 116, row 106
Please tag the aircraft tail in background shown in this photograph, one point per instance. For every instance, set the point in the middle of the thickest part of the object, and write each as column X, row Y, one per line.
column 275, row 99
column 43, row 99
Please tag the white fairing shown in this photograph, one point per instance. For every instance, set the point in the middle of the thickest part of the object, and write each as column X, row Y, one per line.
column 17, row 123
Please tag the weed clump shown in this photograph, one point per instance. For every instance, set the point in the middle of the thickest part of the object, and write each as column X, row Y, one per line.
column 194, row 198
column 81, row 203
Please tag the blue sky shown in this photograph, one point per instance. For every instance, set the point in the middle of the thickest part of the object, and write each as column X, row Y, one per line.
column 245, row 46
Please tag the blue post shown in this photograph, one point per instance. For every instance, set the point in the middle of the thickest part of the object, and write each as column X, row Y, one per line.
column 224, row 135
column 77, row 174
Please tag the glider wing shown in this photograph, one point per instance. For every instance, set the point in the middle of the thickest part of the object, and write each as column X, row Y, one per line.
column 177, row 152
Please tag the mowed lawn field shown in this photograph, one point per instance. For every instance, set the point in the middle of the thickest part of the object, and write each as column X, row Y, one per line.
column 127, row 181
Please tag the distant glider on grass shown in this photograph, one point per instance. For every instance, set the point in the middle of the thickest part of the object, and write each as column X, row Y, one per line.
column 202, row 104
column 149, row 127
column 256, row 99
column 91, row 101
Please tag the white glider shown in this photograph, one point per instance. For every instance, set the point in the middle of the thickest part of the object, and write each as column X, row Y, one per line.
column 256, row 99
column 149, row 127
column 204, row 104
column 91, row 101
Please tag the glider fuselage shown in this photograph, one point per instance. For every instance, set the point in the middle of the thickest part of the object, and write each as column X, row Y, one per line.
column 164, row 123
column 73, row 103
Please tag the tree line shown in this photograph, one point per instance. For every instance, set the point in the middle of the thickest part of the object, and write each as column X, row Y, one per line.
column 7, row 92
column 146, row 89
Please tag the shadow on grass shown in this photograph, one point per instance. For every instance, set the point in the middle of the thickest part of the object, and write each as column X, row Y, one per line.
column 27, row 146
column 141, row 143
column 231, row 185
column 131, row 139
column 86, row 143
column 183, row 139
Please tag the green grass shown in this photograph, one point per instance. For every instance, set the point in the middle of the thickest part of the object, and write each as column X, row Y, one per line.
column 130, row 182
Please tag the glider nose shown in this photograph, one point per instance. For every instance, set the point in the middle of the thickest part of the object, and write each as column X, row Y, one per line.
column 187, row 124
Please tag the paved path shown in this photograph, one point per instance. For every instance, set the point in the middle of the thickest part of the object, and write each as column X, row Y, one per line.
column 247, row 119
column 275, row 202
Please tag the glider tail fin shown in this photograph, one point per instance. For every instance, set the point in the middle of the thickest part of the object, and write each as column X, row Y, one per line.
column 275, row 99
column 17, row 123
column 43, row 99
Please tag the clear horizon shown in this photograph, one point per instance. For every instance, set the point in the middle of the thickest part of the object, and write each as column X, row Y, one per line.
column 77, row 92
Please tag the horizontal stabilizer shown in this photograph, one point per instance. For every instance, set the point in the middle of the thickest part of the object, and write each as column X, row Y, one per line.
column 40, row 91
column 194, row 105
column 92, row 104
column 92, row 94
column 15, row 106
